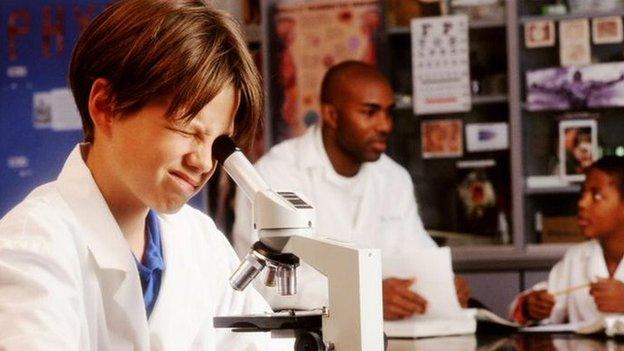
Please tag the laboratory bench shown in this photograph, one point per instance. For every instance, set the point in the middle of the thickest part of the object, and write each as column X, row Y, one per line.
column 509, row 342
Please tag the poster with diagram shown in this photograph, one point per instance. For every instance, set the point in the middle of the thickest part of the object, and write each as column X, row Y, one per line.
column 40, row 124
column 307, row 39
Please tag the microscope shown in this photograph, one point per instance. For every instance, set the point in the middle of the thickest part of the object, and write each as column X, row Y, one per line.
column 353, row 321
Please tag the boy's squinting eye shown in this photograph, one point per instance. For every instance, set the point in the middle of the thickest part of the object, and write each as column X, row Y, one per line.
column 183, row 132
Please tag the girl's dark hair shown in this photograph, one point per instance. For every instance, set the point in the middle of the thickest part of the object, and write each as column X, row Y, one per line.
column 614, row 167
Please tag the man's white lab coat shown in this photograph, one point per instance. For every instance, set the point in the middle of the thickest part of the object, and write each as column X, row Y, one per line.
column 68, row 279
column 582, row 264
column 377, row 209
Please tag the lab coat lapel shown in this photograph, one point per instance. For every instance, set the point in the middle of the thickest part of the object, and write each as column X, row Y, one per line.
column 179, row 310
column 596, row 264
column 365, row 190
column 596, row 268
column 113, row 261
column 619, row 272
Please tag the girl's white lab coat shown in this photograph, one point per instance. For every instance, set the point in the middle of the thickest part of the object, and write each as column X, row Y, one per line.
column 68, row 280
column 582, row 264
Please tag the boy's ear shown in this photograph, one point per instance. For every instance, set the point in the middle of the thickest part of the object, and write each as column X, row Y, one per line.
column 329, row 115
column 100, row 105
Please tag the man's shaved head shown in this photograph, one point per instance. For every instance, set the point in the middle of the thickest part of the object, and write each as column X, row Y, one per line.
column 356, row 101
column 341, row 78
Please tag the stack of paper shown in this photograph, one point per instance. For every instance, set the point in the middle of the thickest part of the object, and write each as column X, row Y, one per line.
column 435, row 282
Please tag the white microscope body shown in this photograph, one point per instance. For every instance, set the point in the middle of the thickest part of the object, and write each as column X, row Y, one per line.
column 353, row 321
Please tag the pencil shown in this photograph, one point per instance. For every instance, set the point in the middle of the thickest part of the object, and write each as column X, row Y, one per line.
column 570, row 289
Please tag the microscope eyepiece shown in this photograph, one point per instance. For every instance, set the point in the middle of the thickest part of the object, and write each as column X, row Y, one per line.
column 223, row 147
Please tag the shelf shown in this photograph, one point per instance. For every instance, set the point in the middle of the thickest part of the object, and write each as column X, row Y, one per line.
column 569, row 189
column 400, row 30
column 405, row 103
column 550, row 184
column 493, row 258
column 569, row 16
column 489, row 99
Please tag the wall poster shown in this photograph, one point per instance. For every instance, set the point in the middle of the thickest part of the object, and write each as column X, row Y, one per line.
column 440, row 64
column 308, row 38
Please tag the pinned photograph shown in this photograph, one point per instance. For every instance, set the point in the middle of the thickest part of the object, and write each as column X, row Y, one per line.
column 442, row 138
column 42, row 110
column 539, row 34
column 486, row 137
column 607, row 30
column 578, row 148
column 562, row 88
column 574, row 46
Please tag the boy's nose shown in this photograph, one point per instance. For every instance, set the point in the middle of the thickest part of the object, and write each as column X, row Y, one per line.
column 201, row 159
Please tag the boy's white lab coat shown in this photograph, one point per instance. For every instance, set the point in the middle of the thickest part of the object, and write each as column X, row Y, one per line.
column 582, row 264
column 381, row 201
column 68, row 280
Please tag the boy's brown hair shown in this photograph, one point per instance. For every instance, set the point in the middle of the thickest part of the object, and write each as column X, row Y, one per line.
column 184, row 50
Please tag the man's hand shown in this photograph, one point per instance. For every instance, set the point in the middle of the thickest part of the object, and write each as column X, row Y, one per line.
column 609, row 295
column 463, row 291
column 538, row 305
column 399, row 301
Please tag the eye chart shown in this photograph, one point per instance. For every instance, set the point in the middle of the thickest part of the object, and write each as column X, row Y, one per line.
column 440, row 64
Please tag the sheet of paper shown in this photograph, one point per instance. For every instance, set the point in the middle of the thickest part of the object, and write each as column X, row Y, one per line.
column 574, row 46
column 433, row 271
column 488, row 316
column 579, row 327
column 486, row 136
column 42, row 110
column 65, row 115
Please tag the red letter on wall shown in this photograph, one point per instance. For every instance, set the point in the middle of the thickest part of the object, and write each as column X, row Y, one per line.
column 19, row 25
column 83, row 18
column 53, row 29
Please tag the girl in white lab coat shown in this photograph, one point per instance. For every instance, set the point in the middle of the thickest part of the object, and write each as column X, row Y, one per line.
column 108, row 256
column 588, row 281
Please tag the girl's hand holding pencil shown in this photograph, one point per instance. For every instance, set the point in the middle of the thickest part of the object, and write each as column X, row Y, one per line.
column 608, row 295
column 570, row 290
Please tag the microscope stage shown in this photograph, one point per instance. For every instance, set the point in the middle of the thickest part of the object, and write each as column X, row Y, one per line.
column 286, row 320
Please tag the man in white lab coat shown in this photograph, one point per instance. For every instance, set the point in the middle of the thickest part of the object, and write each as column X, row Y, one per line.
column 108, row 256
column 360, row 194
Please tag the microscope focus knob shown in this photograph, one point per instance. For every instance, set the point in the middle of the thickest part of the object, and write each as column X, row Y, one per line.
column 309, row 341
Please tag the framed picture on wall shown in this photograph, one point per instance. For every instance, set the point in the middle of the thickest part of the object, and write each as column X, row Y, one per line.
column 578, row 148
column 607, row 30
column 442, row 138
column 539, row 34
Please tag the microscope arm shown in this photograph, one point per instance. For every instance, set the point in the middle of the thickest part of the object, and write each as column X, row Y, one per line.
column 354, row 277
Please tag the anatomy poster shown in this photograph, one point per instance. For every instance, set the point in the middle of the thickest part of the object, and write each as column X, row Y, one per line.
column 308, row 38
